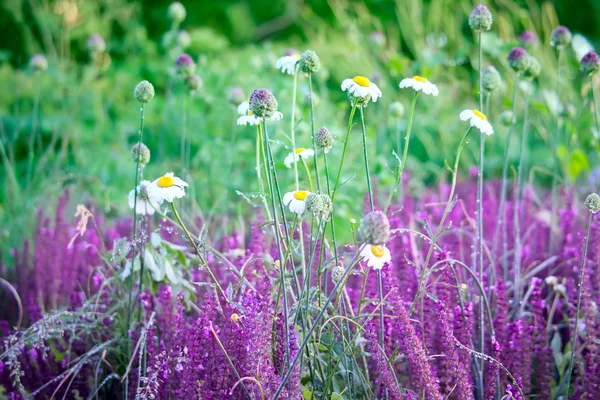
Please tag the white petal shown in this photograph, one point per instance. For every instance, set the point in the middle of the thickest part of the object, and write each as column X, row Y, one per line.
column 288, row 197
column 366, row 251
column 243, row 108
column 406, row 83
column 347, row 83
column 466, row 114
column 276, row 116
column 307, row 153
column 289, row 159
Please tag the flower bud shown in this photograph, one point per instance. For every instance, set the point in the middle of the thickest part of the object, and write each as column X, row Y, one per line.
column 491, row 79
column 144, row 92
column 142, row 152
column 324, row 139
column 480, row 19
column 193, row 82
column 533, row 69
column 185, row 64
column 518, row 59
column 561, row 37
column 309, row 62
column 38, row 63
column 528, row 39
column 337, row 274
column 176, row 12
column 374, row 228
column 397, row 110
column 506, row 117
column 590, row 63
column 592, row 203
column 96, row 44
column 262, row 103
column 183, row 39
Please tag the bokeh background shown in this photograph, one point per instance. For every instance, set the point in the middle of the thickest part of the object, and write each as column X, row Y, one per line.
column 84, row 118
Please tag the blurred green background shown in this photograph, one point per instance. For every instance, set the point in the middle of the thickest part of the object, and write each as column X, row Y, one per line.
column 84, row 119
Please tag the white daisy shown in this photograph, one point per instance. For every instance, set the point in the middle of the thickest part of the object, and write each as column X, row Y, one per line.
column 251, row 119
column 301, row 152
column 287, row 64
column 145, row 204
column 418, row 83
column 295, row 200
column 375, row 256
column 167, row 187
column 478, row 120
column 243, row 107
column 361, row 87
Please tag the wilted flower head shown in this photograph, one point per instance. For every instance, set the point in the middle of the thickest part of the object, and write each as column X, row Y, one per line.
column 319, row 205
column 236, row 96
column 183, row 39
column 38, row 63
column 506, row 117
column 590, row 63
column 561, row 37
column 491, row 79
column 374, row 228
column 324, row 139
column 528, row 39
column 397, row 110
column 176, row 12
column 592, row 203
column 533, row 68
column 361, row 89
column 140, row 152
column 309, row 62
column 263, row 103
column 96, row 44
column 480, row 19
column 337, row 273
column 185, row 64
column 193, row 82
column 144, row 92
column 518, row 59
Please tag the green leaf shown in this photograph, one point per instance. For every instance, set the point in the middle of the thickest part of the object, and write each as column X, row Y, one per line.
column 336, row 396
column 307, row 393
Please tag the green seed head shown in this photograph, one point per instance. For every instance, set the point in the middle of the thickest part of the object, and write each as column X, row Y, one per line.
column 177, row 12
column 592, row 203
column 491, row 79
column 309, row 62
column 337, row 274
column 144, row 92
column 506, row 117
column 533, row 69
column 38, row 63
column 324, row 139
column 561, row 37
column 481, row 19
column 142, row 152
column 374, row 228
column 397, row 110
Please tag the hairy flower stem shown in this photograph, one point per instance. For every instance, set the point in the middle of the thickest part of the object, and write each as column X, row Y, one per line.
column 366, row 156
column 337, row 180
column 312, row 127
column 441, row 228
column 33, row 134
column 579, row 293
column 556, row 143
column 307, row 335
column 501, row 226
column 399, row 180
column 199, row 253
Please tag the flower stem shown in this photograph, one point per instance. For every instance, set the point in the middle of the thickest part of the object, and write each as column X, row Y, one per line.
column 333, row 241
column 33, row 134
column 199, row 253
column 261, row 184
column 556, row 143
column 312, row 127
column 579, row 293
column 366, row 156
column 594, row 104
column 479, row 228
column 337, row 180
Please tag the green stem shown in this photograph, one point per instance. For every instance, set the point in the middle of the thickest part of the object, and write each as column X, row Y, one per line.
column 479, row 230
column 261, row 184
column 310, row 185
column 594, row 103
column 333, row 241
column 312, row 127
column 33, row 134
column 580, row 292
column 366, row 156
column 556, row 143
column 337, row 180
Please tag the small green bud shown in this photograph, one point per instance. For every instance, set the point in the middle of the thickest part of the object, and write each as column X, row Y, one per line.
column 142, row 152
column 324, row 139
column 397, row 110
column 506, row 117
column 177, row 12
column 309, row 62
column 592, row 203
column 491, row 79
column 374, row 228
column 144, row 92
column 481, row 19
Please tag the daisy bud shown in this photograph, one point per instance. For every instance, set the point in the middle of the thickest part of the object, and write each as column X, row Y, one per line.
column 533, row 69
column 561, row 37
column 236, row 96
column 183, row 39
column 491, row 79
column 324, row 139
column 96, row 44
column 592, row 203
column 262, row 103
column 176, row 12
column 506, row 117
column 528, row 39
column 568, row 111
column 144, row 92
column 518, row 59
column 374, row 228
column 193, row 82
column 397, row 110
column 480, row 19
column 142, row 152
column 590, row 63
column 38, row 63
column 309, row 62
column 337, row 274
column 185, row 64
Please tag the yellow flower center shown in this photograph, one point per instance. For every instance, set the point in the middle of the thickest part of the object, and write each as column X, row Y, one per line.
column 480, row 114
column 300, row 150
column 166, row 182
column 300, row 194
column 378, row 251
column 235, row 317
column 420, row 79
column 362, row 81
column 250, row 112
column 296, row 55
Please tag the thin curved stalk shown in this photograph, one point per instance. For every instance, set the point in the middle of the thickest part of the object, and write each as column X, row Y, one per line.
column 312, row 127
column 366, row 157
column 337, row 180
column 555, row 141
